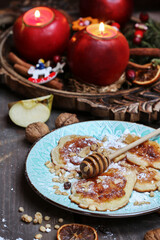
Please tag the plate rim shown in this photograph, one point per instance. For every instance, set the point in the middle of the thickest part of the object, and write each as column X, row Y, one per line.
column 89, row 213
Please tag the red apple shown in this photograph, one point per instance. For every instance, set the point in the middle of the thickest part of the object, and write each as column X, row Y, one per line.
column 96, row 60
column 117, row 10
column 33, row 42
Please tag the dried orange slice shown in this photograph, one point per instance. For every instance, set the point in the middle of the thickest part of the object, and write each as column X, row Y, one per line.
column 147, row 76
column 75, row 231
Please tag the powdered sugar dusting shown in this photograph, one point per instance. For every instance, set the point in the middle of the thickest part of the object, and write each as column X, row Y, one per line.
column 113, row 142
column 73, row 162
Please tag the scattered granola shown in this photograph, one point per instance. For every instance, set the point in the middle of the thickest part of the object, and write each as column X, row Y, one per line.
column 136, row 203
column 38, row 218
column 65, row 193
column 42, row 229
column 56, row 167
column 21, row 209
column 55, row 180
column 26, row 218
column 38, row 236
column 84, row 152
column 55, row 187
column 46, row 218
column 151, row 194
column 94, row 147
column 60, row 220
column 52, row 170
column 104, row 139
column 72, row 154
column 56, row 226
column 48, row 225
column 58, row 192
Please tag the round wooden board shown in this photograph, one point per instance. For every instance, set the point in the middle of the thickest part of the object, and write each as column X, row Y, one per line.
column 134, row 104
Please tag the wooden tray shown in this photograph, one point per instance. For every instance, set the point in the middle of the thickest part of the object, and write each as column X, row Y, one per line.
column 134, row 104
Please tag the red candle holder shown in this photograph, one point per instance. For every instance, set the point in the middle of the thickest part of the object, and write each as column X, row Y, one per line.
column 41, row 32
column 98, row 56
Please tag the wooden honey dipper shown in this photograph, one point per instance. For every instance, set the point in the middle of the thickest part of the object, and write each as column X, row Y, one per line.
column 97, row 163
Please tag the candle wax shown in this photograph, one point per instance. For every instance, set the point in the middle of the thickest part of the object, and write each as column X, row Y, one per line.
column 46, row 15
column 107, row 33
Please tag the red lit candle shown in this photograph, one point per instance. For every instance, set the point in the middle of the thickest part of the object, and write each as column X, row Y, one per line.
column 98, row 54
column 101, row 30
column 41, row 32
column 39, row 16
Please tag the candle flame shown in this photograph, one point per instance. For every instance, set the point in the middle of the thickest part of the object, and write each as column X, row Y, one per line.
column 101, row 27
column 37, row 14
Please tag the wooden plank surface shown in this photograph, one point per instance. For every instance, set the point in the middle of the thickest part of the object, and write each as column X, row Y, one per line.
column 16, row 192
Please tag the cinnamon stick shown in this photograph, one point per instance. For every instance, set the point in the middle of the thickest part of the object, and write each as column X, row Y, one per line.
column 55, row 83
column 145, row 52
column 16, row 60
column 21, row 69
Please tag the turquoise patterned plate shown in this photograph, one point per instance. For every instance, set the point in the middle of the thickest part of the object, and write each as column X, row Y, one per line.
column 41, row 179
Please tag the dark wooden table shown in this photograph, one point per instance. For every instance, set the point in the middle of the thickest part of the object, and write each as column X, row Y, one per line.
column 15, row 190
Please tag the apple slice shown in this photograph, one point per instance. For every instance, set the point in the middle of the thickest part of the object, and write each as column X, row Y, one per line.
column 24, row 112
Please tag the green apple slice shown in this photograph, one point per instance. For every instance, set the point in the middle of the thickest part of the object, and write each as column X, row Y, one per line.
column 24, row 112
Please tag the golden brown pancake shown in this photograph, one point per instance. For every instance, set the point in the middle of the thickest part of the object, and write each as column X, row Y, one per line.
column 148, row 179
column 72, row 149
column 109, row 191
column 146, row 154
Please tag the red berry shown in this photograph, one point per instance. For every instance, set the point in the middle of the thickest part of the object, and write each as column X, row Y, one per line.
column 144, row 17
column 81, row 23
column 57, row 58
column 138, row 33
column 137, row 40
column 115, row 24
column 130, row 74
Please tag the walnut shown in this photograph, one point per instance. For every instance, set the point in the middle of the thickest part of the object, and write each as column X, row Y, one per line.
column 35, row 131
column 153, row 234
column 65, row 119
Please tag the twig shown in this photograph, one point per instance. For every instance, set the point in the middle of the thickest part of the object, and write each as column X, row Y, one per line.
column 136, row 65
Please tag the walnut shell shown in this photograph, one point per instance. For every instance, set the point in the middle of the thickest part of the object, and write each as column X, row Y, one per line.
column 35, row 131
column 153, row 234
column 65, row 119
